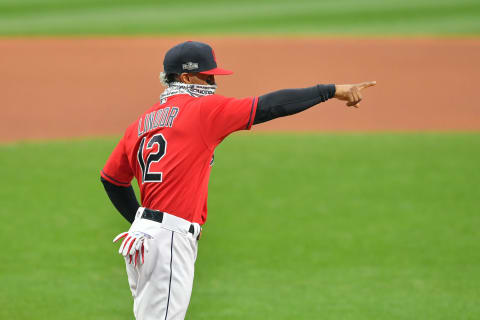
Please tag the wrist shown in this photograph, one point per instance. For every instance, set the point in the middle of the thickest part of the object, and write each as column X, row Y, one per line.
column 326, row 90
column 339, row 91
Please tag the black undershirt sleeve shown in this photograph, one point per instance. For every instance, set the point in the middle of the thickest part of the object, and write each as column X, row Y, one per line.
column 123, row 198
column 290, row 101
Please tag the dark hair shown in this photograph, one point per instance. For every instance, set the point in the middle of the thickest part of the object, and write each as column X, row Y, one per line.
column 171, row 77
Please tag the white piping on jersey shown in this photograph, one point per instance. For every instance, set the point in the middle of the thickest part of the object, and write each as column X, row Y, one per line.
column 194, row 90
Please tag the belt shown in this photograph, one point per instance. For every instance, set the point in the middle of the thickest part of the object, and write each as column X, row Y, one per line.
column 158, row 216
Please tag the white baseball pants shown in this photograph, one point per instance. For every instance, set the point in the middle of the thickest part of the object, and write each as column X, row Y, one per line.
column 162, row 286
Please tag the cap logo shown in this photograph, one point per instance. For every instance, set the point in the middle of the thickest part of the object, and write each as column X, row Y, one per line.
column 190, row 66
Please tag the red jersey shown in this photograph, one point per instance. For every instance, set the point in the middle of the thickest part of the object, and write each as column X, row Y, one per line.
column 169, row 150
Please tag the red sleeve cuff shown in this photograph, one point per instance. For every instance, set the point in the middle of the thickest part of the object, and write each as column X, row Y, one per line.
column 113, row 180
column 252, row 113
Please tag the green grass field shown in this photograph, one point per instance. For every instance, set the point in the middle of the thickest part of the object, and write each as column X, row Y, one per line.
column 347, row 226
column 330, row 17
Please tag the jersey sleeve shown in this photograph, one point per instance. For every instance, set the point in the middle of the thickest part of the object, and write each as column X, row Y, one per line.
column 117, row 170
column 222, row 116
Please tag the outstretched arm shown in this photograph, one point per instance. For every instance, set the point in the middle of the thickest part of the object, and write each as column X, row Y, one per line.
column 287, row 102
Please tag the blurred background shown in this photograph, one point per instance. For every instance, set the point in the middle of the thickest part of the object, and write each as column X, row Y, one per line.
column 333, row 213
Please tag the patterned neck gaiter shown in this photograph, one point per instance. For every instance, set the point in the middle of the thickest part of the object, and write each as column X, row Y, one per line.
column 194, row 90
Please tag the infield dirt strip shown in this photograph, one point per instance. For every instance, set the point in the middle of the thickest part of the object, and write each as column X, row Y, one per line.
column 68, row 87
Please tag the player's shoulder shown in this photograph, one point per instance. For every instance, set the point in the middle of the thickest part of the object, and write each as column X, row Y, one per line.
column 190, row 100
column 192, row 103
column 214, row 100
column 223, row 101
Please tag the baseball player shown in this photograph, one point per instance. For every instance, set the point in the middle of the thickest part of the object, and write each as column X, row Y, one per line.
column 169, row 149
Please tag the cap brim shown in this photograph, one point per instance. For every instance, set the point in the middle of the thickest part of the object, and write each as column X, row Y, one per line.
column 218, row 72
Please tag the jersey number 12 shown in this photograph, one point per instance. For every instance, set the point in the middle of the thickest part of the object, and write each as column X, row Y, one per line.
column 159, row 140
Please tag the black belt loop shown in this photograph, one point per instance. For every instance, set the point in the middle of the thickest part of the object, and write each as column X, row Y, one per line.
column 153, row 215
column 192, row 231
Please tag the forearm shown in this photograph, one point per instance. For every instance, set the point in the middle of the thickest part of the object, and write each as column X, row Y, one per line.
column 290, row 101
column 123, row 198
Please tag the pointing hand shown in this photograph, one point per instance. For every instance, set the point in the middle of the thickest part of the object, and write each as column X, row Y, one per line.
column 352, row 92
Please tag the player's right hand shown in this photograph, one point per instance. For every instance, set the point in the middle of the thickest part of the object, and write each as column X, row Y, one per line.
column 352, row 92
column 133, row 245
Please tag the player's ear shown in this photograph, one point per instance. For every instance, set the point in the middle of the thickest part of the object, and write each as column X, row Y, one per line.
column 185, row 78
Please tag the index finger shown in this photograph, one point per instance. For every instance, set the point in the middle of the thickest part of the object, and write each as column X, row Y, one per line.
column 367, row 84
column 120, row 236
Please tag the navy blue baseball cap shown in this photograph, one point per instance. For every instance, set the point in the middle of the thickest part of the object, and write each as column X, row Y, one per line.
column 190, row 57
